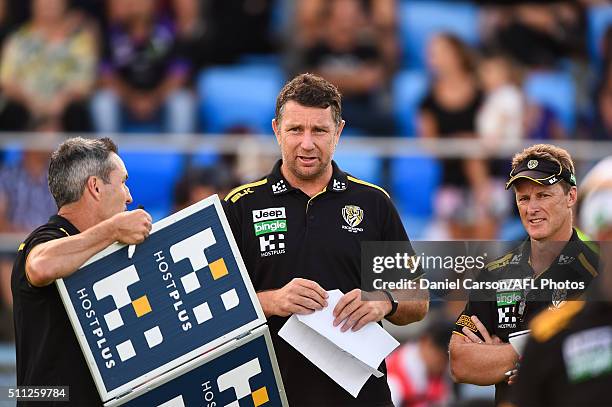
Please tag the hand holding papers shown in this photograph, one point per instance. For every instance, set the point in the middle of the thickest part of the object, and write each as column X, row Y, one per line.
column 349, row 358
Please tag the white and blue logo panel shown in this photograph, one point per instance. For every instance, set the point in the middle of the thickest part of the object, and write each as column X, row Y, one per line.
column 184, row 292
column 240, row 374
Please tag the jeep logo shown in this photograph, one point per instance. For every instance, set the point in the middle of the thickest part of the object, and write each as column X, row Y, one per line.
column 268, row 214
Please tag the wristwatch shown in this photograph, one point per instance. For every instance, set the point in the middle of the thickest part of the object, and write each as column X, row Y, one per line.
column 393, row 301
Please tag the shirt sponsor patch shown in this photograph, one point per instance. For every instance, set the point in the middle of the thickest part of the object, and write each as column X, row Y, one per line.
column 260, row 215
column 508, row 298
column 466, row 321
column 506, row 318
column 270, row 226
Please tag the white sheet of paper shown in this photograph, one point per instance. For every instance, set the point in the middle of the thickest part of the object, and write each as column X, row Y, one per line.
column 518, row 340
column 349, row 358
column 343, row 368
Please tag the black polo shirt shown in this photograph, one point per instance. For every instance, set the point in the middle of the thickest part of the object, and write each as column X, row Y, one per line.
column 513, row 309
column 283, row 234
column 48, row 353
column 568, row 359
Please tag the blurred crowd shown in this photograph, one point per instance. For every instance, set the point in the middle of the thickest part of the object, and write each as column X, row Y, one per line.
column 110, row 65
column 129, row 66
column 113, row 66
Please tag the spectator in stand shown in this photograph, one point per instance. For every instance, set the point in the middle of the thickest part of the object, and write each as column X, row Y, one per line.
column 463, row 207
column 542, row 123
column 501, row 116
column 600, row 126
column 500, row 121
column 381, row 24
column 5, row 28
column 238, row 28
column 143, row 75
column 5, row 21
column 193, row 35
column 349, row 58
column 24, row 194
column 25, row 202
column 47, row 69
column 537, row 35
column 418, row 371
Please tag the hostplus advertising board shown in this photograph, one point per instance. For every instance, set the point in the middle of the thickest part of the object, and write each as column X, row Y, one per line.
column 184, row 292
column 242, row 373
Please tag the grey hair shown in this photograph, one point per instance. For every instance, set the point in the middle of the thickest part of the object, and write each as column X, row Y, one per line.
column 74, row 161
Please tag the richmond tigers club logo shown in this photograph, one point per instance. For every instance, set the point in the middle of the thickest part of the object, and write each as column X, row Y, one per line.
column 353, row 216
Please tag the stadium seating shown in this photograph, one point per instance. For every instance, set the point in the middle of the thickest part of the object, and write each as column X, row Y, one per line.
column 555, row 90
column 362, row 165
column 11, row 154
column 419, row 20
column 238, row 97
column 204, row 158
column 414, row 181
column 409, row 88
column 152, row 176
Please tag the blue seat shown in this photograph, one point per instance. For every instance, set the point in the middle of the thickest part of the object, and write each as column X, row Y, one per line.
column 414, row 181
column 362, row 165
column 512, row 230
column 415, row 226
column 419, row 20
column 204, row 158
column 242, row 96
column 598, row 20
column 409, row 88
column 555, row 90
column 152, row 176
column 11, row 154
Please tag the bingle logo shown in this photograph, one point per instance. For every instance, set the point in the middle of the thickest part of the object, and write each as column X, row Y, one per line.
column 238, row 379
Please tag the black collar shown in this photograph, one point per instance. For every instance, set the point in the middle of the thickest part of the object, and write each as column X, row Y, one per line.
column 65, row 224
column 568, row 255
column 280, row 186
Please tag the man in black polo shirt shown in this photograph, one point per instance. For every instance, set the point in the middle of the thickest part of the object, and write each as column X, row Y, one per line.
column 300, row 230
column 87, row 180
column 545, row 187
column 568, row 358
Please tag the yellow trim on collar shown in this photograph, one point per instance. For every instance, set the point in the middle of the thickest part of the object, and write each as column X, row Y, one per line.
column 362, row 182
column 240, row 188
column 588, row 266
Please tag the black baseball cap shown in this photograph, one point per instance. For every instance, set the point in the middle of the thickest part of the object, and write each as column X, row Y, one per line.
column 541, row 171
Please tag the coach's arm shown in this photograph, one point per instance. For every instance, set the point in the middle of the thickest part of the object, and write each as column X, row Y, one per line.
column 482, row 363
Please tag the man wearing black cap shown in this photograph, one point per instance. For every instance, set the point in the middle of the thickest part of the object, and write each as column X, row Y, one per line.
column 545, row 188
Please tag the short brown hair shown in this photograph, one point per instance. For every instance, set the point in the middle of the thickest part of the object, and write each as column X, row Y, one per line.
column 547, row 152
column 311, row 91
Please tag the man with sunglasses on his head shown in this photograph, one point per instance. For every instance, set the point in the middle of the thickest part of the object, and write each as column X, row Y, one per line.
column 544, row 184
